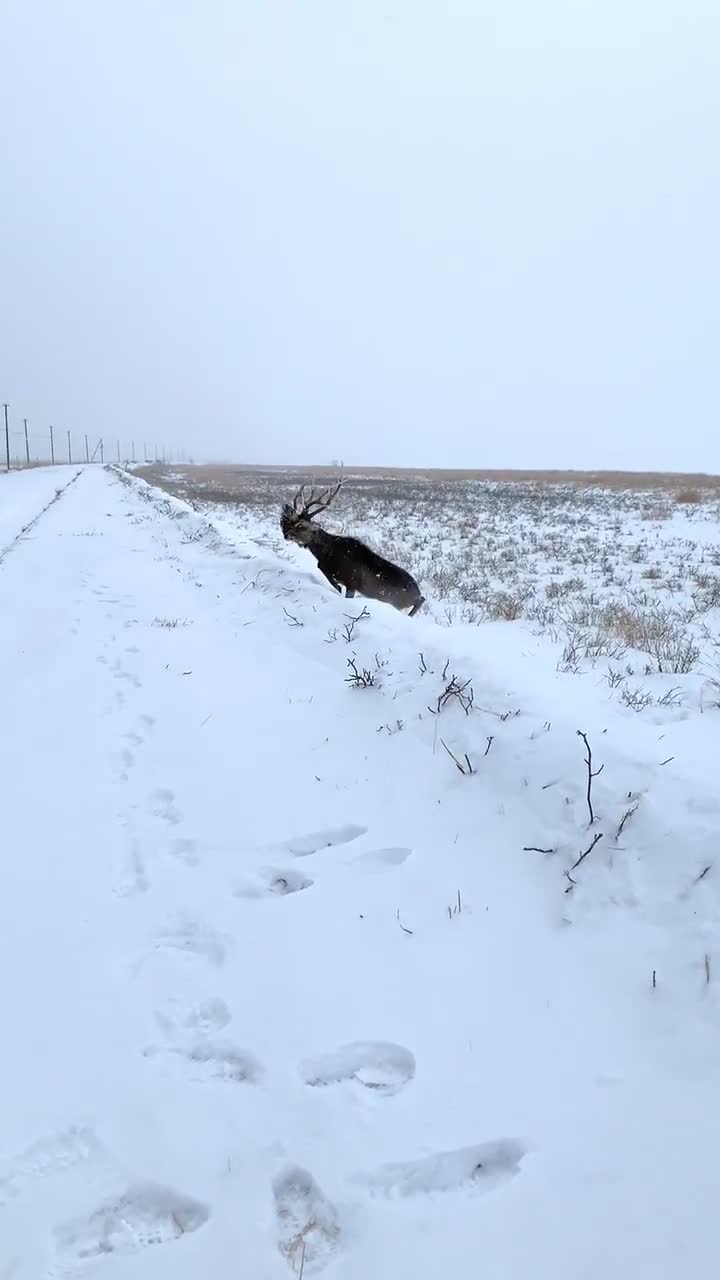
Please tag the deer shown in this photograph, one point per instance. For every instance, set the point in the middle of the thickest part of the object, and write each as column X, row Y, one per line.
column 346, row 562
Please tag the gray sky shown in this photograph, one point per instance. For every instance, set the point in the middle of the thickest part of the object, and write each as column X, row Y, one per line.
column 423, row 232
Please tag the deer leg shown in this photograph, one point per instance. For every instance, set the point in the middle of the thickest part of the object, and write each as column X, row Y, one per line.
column 331, row 580
column 417, row 607
column 349, row 593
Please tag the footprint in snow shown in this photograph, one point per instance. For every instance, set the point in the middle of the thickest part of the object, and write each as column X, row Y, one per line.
column 307, row 1223
column 301, row 846
column 145, row 1215
column 375, row 1064
column 44, row 1158
column 214, row 1060
column 194, row 937
column 185, row 848
column 202, row 1017
column 483, row 1167
column 272, row 883
column 161, row 804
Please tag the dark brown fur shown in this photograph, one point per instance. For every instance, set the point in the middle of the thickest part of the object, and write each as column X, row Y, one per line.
column 348, row 563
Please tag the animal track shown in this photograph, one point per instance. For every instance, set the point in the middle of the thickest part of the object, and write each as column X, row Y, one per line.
column 279, row 883
column 381, row 859
column 221, row 1061
column 375, row 1064
column 130, row 677
column 134, row 878
column 146, row 1215
column 185, row 848
column 482, row 1166
column 192, row 935
column 205, row 1016
column 301, row 846
column 162, row 805
column 44, row 1158
column 308, row 1226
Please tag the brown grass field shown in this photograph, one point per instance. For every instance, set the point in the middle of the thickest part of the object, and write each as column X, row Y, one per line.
column 228, row 477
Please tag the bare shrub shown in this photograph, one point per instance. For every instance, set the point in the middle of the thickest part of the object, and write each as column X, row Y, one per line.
column 658, row 633
column 508, row 605
column 558, row 590
column 688, row 497
column 636, row 699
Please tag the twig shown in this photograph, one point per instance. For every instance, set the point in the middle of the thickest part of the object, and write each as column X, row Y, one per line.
column 402, row 926
column 292, row 620
column 352, row 621
column 626, row 818
column 362, row 679
column 491, row 739
column 668, row 761
column 703, row 873
column 654, row 980
column 456, row 910
column 707, row 968
column 455, row 690
column 423, row 664
column 533, row 848
column 591, row 775
column 458, row 764
column 589, row 849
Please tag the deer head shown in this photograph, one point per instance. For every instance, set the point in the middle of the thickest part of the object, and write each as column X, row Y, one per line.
column 297, row 516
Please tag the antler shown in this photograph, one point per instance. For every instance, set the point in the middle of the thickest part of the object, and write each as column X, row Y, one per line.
column 310, row 504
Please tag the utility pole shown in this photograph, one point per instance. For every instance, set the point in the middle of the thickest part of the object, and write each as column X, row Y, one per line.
column 69, row 449
column 27, row 446
column 52, row 447
column 132, row 451
column 87, row 450
column 7, row 437
column 102, row 450
column 118, row 445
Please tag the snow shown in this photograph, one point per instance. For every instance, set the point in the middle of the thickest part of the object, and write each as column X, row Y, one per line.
column 282, row 987
column 24, row 495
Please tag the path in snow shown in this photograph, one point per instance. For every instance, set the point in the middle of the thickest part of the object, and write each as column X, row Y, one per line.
column 281, row 989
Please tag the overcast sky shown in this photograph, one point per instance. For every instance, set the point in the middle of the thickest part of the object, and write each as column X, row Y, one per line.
column 423, row 232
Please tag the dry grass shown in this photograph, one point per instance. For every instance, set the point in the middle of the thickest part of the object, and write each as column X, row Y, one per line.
column 688, row 497
column 232, row 478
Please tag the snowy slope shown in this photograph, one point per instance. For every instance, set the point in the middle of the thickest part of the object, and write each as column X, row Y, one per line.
column 283, row 989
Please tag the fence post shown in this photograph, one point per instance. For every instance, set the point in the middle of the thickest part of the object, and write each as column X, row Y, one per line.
column 27, row 445
column 102, row 450
column 87, row 450
column 7, row 437
column 69, row 448
column 132, row 451
column 52, row 447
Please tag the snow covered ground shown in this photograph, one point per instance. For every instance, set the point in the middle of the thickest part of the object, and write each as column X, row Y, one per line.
column 301, row 977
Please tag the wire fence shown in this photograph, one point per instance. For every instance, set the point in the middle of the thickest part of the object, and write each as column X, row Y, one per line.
column 23, row 445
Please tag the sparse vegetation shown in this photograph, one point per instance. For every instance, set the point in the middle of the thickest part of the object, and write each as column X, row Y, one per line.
column 611, row 568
